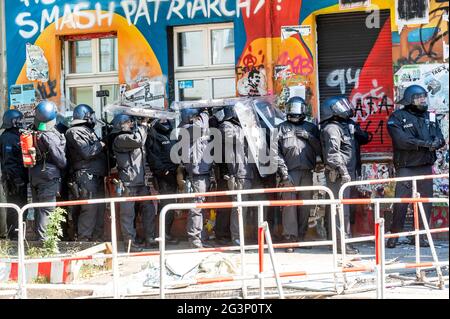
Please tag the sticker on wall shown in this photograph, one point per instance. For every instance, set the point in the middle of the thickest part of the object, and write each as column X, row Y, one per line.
column 297, row 90
column 288, row 31
column 253, row 82
column 22, row 94
column 23, row 98
column 411, row 12
column 433, row 77
column 186, row 84
column 282, row 71
column 37, row 65
column 350, row 4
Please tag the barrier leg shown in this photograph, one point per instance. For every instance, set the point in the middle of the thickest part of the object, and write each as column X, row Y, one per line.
column 261, row 249
column 272, row 258
column 416, row 229
column 115, row 260
column 342, row 233
column 21, row 254
column 242, row 244
column 432, row 247
column 162, row 248
column 379, row 256
column 383, row 258
column 334, row 247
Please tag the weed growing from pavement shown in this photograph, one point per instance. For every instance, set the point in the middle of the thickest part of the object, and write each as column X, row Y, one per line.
column 6, row 250
column 40, row 280
column 53, row 233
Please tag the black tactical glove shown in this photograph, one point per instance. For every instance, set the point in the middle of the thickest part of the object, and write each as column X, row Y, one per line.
column 302, row 134
column 231, row 182
column 437, row 144
column 428, row 145
column 345, row 178
column 286, row 181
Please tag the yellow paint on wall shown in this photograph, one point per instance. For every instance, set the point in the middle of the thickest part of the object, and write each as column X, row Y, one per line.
column 136, row 57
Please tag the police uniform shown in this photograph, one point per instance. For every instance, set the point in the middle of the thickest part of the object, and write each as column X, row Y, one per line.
column 88, row 168
column 129, row 151
column 14, row 176
column 158, row 147
column 246, row 175
column 339, row 148
column 198, row 171
column 45, row 176
column 297, row 159
column 411, row 134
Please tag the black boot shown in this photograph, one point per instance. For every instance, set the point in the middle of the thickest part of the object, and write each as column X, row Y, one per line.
column 349, row 249
column 423, row 242
column 392, row 242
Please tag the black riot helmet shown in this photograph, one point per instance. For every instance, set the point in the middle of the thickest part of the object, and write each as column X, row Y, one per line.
column 122, row 123
column 45, row 115
column 296, row 109
column 416, row 98
column 163, row 127
column 83, row 113
column 188, row 114
column 12, row 119
column 338, row 107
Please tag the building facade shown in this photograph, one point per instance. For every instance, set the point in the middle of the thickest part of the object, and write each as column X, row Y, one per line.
column 203, row 49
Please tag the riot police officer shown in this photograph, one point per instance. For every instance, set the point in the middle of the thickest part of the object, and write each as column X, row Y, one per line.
column 129, row 150
column 241, row 172
column 298, row 147
column 14, row 174
column 416, row 136
column 158, row 147
column 339, row 147
column 194, row 129
column 45, row 176
column 88, row 168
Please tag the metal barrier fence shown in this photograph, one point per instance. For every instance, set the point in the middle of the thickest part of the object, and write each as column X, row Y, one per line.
column 112, row 201
column 239, row 204
column 18, row 210
column 416, row 231
column 378, row 268
column 260, row 205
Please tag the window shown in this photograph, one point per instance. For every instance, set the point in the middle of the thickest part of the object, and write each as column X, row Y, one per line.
column 204, row 62
column 91, row 65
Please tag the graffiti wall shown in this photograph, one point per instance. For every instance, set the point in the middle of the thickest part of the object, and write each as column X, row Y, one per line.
column 275, row 45
column 276, row 52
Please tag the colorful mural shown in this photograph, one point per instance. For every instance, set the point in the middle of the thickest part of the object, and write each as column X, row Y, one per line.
column 269, row 36
column 275, row 49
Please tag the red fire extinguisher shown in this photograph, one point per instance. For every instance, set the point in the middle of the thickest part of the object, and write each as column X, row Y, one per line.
column 27, row 143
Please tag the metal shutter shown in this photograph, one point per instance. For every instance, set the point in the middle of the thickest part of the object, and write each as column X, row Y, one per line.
column 356, row 61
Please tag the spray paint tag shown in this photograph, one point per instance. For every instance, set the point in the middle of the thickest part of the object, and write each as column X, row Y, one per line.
column 432, row 117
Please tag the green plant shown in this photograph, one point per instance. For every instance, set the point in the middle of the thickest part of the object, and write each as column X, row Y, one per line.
column 52, row 235
column 54, row 231
column 41, row 280
column 5, row 248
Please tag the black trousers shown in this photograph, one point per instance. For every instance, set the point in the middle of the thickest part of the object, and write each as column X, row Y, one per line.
column 18, row 197
column 44, row 192
column 167, row 184
column 404, row 189
column 91, row 217
column 223, row 216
